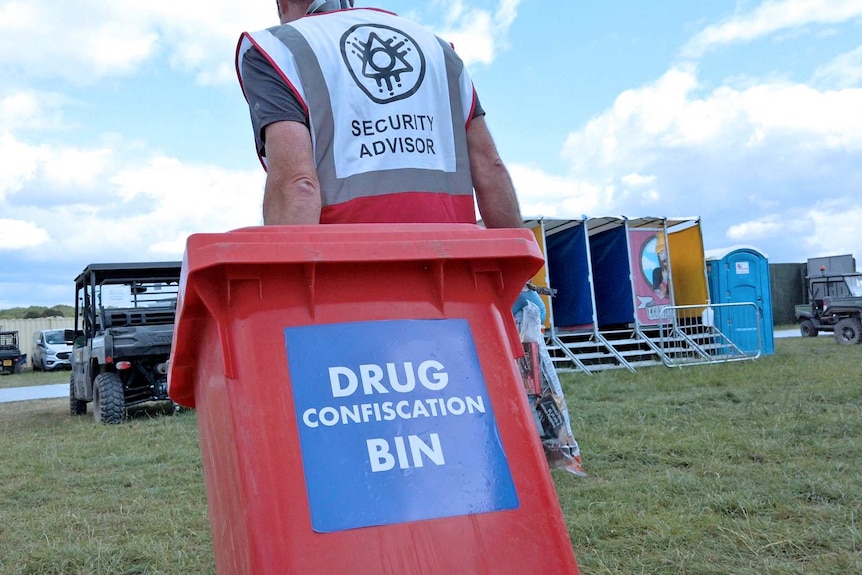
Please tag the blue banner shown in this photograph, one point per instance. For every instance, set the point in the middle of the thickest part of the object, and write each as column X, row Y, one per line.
column 395, row 423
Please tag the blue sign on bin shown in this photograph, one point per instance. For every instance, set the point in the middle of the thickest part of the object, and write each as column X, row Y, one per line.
column 395, row 423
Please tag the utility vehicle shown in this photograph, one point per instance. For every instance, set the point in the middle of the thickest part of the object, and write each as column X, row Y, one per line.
column 124, row 323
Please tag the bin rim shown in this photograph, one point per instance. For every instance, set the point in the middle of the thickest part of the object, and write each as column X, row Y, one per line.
column 265, row 246
column 346, row 242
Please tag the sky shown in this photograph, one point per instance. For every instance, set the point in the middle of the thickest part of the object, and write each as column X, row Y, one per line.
column 123, row 129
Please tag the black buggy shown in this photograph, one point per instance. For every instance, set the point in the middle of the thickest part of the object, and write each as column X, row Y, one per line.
column 835, row 304
column 124, row 323
column 11, row 358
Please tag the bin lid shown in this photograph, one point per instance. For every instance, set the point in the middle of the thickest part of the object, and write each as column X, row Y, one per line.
column 356, row 242
column 513, row 249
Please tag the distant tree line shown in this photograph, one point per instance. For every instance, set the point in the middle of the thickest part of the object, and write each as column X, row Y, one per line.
column 37, row 311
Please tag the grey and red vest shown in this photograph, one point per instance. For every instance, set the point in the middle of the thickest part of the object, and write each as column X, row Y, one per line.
column 388, row 106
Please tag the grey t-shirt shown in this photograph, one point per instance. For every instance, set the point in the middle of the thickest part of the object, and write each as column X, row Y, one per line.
column 271, row 100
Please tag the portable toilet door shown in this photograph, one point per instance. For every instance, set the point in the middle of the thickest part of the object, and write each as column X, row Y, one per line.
column 740, row 274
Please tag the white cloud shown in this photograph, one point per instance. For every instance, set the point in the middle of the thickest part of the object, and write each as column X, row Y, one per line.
column 18, row 234
column 19, row 15
column 643, row 186
column 86, row 40
column 200, row 36
column 172, row 247
column 72, row 167
column 20, row 163
column 671, row 114
column 636, row 180
column 835, row 229
column 744, row 158
column 146, row 209
column 105, row 204
column 193, row 196
column 543, row 194
column 759, row 229
column 477, row 34
column 79, row 41
column 31, row 110
column 770, row 17
column 845, row 71
column 827, row 228
column 49, row 170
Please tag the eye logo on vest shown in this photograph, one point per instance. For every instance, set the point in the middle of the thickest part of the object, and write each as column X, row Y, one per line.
column 385, row 62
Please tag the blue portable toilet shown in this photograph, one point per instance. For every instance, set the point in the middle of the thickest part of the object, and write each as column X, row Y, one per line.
column 740, row 274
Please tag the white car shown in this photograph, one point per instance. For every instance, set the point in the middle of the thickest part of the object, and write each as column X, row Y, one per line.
column 50, row 350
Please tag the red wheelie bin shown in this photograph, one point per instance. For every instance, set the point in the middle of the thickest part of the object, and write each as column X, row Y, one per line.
column 359, row 406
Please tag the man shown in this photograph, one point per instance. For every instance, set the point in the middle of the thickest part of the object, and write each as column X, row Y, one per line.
column 361, row 116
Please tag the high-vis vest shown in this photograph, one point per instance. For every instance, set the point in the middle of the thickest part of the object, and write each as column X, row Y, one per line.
column 388, row 106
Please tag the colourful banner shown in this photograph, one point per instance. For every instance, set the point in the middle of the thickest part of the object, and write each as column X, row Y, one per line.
column 650, row 274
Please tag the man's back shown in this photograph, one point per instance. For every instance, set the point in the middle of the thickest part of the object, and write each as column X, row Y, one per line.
column 363, row 116
column 387, row 105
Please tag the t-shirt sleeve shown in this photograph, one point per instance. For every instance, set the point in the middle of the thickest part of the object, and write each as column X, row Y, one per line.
column 269, row 98
column 478, row 110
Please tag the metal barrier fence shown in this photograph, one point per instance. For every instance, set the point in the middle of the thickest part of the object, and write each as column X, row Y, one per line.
column 711, row 333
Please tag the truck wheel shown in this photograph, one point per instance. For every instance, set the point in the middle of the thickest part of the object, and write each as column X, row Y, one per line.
column 76, row 406
column 807, row 328
column 848, row 331
column 108, row 403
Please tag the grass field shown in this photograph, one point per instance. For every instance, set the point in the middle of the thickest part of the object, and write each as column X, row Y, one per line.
column 743, row 468
column 29, row 377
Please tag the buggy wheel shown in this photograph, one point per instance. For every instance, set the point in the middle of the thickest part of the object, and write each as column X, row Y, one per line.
column 76, row 406
column 848, row 331
column 807, row 328
column 108, row 403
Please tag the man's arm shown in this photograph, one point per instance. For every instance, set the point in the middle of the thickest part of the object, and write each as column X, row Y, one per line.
column 280, row 123
column 292, row 192
column 495, row 192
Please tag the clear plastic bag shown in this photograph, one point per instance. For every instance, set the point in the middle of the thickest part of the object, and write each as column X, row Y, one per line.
column 545, row 394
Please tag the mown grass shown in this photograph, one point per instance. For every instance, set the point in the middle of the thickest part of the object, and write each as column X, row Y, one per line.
column 733, row 468
column 744, row 468
column 79, row 498
column 29, row 377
